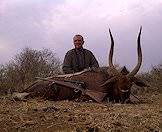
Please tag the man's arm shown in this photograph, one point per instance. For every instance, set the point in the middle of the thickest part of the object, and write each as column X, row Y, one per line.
column 94, row 62
column 67, row 64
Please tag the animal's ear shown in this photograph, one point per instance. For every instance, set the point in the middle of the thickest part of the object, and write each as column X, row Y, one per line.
column 139, row 82
column 111, row 80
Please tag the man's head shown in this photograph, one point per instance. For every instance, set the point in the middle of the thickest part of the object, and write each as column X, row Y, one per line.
column 78, row 41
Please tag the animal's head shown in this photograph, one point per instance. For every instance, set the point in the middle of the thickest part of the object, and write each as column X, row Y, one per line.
column 122, row 81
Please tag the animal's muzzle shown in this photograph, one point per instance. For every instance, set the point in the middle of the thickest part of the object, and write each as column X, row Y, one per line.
column 125, row 94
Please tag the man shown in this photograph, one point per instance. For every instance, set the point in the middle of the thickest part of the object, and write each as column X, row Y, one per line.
column 78, row 59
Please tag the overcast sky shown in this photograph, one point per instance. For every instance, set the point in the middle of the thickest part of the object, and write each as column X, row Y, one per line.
column 52, row 24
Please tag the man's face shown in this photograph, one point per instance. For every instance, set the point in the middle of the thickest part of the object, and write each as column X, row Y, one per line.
column 78, row 42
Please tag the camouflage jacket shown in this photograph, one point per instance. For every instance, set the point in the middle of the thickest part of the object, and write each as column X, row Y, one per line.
column 78, row 60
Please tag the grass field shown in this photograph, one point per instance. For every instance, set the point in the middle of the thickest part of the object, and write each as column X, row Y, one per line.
column 66, row 116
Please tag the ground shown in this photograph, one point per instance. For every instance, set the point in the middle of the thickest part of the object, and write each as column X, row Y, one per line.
column 67, row 116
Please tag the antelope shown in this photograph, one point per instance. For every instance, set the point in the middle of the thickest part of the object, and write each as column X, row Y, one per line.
column 122, row 82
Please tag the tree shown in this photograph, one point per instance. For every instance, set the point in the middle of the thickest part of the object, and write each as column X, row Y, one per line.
column 27, row 65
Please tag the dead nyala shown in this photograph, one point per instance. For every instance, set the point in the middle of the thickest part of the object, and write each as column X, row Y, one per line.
column 95, row 83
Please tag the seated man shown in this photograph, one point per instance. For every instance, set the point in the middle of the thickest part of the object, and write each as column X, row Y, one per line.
column 78, row 59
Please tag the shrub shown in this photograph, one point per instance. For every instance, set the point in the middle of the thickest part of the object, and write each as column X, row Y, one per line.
column 25, row 66
column 153, row 78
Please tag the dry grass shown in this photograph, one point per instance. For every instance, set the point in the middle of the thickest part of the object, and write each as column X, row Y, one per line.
column 38, row 115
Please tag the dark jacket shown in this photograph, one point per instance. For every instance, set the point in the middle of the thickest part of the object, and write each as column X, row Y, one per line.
column 78, row 60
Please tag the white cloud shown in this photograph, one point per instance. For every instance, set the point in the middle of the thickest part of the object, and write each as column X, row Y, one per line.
column 82, row 14
column 95, row 15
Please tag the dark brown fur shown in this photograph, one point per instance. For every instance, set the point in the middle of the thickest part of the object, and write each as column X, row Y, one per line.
column 92, row 78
